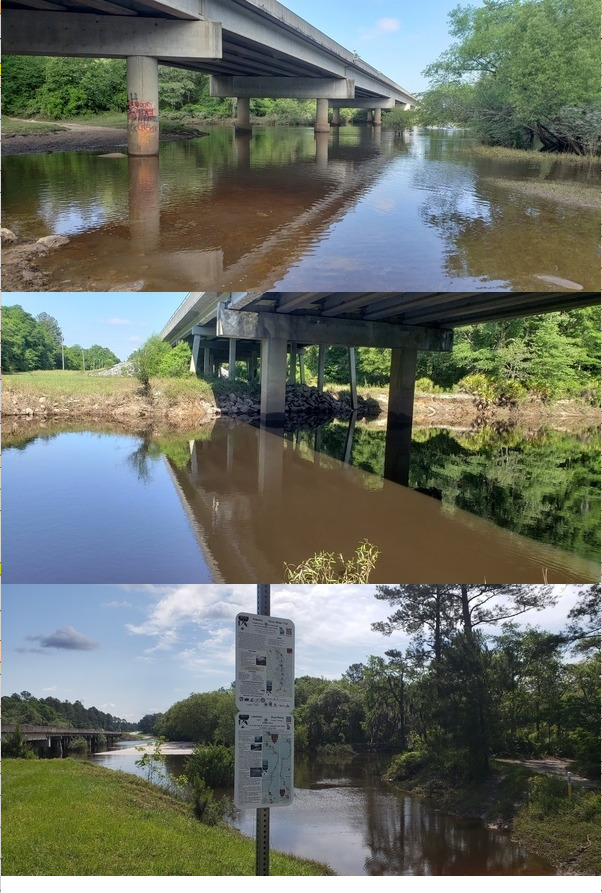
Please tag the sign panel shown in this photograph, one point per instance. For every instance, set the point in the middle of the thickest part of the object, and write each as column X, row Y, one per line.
column 265, row 663
column 264, row 759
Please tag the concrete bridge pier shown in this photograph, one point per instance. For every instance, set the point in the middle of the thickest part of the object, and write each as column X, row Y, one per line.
column 243, row 115
column 322, row 140
column 143, row 105
column 377, row 117
column 321, row 125
column 336, row 118
column 399, row 417
column 273, row 382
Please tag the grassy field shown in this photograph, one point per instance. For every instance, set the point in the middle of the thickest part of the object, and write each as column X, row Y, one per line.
column 14, row 127
column 65, row 817
column 56, row 384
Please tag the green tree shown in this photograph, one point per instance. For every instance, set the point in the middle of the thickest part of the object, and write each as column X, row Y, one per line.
column 17, row 745
column 26, row 343
column 520, row 69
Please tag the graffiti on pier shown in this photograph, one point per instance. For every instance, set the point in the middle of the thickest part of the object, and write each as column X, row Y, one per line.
column 142, row 115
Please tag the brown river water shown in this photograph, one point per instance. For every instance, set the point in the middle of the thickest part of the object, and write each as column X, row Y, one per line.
column 233, row 503
column 286, row 209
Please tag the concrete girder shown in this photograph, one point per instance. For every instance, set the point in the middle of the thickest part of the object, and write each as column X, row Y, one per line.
column 112, row 37
column 379, row 102
column 282, row 87
column 317, row 330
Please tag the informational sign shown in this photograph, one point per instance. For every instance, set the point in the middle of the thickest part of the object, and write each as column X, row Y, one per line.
column 265, row 662
column 264, row 759
column 265, row 697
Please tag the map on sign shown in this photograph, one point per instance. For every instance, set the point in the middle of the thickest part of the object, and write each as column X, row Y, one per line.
column 264, row 760
column 264, row 662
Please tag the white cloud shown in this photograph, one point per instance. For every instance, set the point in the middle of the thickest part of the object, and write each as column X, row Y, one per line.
column 134, row 339
column 116, row 321
column 381, row 28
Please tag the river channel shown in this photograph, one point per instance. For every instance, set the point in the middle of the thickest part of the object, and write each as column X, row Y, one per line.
column 345, row 816
column 233, row 503
column 286, row 209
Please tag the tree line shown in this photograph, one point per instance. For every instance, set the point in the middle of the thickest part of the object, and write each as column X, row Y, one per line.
column 456, row 697
column 25, row 708
column 520, row 72
column 30, row 343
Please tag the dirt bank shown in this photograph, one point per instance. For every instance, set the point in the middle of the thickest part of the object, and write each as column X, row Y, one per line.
column 78, row 138
column 453, row 411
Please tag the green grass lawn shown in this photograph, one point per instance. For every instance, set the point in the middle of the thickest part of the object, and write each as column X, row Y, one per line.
column 66, row 817
column 13, row 127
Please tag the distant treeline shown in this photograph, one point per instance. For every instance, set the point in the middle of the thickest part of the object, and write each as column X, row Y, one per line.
column 30, row 343
column 25, row 708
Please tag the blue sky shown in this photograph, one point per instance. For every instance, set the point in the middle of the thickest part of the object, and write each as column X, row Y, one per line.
column 119, row 321
column 136, row 649
column 399, row 39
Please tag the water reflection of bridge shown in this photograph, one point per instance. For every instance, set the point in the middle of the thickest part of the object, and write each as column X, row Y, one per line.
column 256, row 500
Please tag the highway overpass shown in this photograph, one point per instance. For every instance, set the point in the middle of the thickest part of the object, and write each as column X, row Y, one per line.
column 251, row 48
column 265, row 329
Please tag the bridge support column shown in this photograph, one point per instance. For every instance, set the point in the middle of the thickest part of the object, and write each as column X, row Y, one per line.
column 292, row 369
column 196, row 350
column 232, row 358
column 321, row 366
column 143, row 105
column 273, row 382
column 243, row 114
column 352, row 378
column 321, row 125
column 400, row 413
column 377, row 117
column 206, row 361
column 336, row 118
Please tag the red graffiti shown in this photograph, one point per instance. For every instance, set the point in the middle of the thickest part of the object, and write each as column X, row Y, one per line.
column 143, row 116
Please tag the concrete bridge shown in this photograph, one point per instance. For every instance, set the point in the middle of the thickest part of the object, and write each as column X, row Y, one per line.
column 251, row 48
column 54, row 741
column 270, row 331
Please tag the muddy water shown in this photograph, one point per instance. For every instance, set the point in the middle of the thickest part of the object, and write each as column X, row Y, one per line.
column 282, row 208
column 345, row 816
column 233, row 504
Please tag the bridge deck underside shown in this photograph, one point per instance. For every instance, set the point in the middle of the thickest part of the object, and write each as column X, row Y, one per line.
column 444, row 310
column 249, row 45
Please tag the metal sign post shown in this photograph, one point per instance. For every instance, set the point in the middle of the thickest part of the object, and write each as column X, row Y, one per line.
column 262, row 816
column 264, row 735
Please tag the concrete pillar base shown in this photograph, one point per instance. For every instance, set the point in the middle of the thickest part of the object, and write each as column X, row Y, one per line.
column 321, row 125
column 377, row 119
column 243, row 115
column 143, row 105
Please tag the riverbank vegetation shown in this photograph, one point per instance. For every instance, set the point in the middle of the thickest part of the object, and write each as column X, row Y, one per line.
column 520, row 72
column 113, row 823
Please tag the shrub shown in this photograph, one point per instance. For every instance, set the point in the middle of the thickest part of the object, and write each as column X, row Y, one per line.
column 17, row 745
column 327, row 567
column 78, row 745
column 406, row 765
column 213, row 763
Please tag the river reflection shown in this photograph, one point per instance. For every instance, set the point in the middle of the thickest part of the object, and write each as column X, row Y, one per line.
column 345, row 816
column 233, row 503
column 288, row 209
